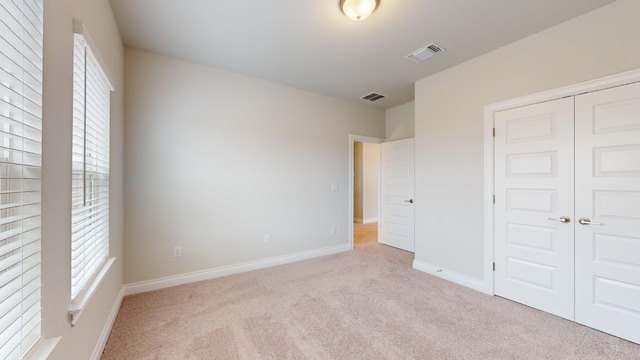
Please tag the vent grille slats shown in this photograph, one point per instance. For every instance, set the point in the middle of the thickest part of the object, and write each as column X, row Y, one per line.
column 424, row 53
column 434, row 48
column 372, row 97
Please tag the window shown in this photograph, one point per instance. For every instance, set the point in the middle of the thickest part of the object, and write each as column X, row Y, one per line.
column 90, row 168
column 20, row 168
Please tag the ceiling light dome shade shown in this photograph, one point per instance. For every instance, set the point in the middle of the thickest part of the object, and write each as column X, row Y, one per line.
column 358, row 10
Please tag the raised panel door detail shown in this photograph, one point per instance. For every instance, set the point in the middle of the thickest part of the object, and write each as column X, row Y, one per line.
column 618, row 296
column 398, row 230
column 397, row 210
column 541, row 200
column 616, row 250
column 400, row 172
column 531, row 129
column 612, row 116
column 538, row 238
column 540, row 164
column 392, row 222
column 617, row 204
column 531, row 274
column 396, row 192
column 617, row 161
column 393, row 153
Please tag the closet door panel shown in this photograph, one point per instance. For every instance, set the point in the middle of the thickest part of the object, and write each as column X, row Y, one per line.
column 608, row 195
column 534, row 192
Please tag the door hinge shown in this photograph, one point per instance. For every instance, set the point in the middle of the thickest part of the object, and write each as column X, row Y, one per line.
column 494, row 132
column 494, row 266
column 494, row 199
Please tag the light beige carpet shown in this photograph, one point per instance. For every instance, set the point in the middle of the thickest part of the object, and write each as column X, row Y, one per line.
column 365, row 304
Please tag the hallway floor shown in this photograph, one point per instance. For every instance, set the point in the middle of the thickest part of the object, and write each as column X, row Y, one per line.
column 365, row 234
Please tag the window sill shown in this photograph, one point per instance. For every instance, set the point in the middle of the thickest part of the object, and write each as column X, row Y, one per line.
column 42, row 349
column 80, row 303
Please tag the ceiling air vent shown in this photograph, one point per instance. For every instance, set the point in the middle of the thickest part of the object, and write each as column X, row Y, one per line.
column 372, row 97
column 425, row 53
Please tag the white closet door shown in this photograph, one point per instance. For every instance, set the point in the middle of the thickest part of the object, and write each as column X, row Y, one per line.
column 608, row 194
column 534, row 191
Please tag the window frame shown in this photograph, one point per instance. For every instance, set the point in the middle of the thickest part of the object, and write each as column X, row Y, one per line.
column 90, row 162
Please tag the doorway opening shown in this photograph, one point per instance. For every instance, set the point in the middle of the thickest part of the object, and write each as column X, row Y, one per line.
column 366, row 185
column 364, row 190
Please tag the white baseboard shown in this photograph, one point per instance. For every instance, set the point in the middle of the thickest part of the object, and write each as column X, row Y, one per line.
column 108, row 325
column 452, row 276
column 365, row 221
column 170, row 281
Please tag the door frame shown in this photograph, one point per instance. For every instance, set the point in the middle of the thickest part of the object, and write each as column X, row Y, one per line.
column 352, row 140
column 621, row 79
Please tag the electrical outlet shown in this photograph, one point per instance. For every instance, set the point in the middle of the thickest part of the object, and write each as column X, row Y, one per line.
column 267, row 238
column 177, row 252
column 335, row 187
column 333, row 230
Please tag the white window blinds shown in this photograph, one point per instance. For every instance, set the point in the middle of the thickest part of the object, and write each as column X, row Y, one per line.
column 90, row 168
column 20, row 164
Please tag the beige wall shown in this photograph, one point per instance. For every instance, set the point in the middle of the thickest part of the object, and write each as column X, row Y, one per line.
column 449, row 121
column 400, row 122
column 77, row 342
column 214, row 160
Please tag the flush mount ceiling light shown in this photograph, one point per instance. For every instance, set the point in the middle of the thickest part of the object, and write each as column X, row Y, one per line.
column 358, row 10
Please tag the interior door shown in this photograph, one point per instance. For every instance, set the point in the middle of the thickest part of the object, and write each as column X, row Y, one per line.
column 397, row 190
column 608, row 200
column 533, row 206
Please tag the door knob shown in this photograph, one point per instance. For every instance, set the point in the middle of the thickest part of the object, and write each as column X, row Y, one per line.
column 586, row 221
column 562, row 219
column 409, row 201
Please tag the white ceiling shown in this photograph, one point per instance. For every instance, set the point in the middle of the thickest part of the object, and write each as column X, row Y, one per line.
column 310, row 44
